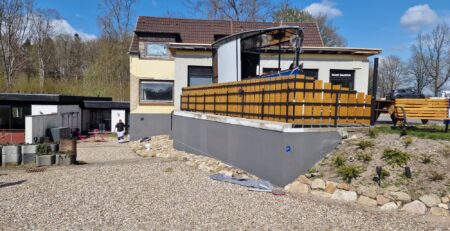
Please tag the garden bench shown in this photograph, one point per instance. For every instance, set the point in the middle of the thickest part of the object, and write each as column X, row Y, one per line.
column 423, row 109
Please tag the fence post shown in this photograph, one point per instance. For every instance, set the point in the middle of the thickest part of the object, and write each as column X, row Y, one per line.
column 204, row 103
column 336, row 105
column 287, row 104
column 214, row 107
column 195, row 103
column 188, row 106
column 181, row 102
column 262, row 104
column 242, row 102
column 374, row 94
column 226, row 108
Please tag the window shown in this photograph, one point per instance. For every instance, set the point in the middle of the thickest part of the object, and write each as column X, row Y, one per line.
column 17, row 113
column 199, row 75
column 157, row 50
column 346, row 78
column 311, row 73
column 156, row 91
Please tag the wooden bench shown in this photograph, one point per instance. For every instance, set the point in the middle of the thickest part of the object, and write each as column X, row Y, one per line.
column 423, row 109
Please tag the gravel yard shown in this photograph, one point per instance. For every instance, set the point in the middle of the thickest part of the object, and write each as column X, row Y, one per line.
column 117, row 190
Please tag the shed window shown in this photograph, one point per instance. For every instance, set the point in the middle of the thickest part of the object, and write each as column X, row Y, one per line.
column 311, row 73
column 199, row 75
column 156, row 91
column 157, row 50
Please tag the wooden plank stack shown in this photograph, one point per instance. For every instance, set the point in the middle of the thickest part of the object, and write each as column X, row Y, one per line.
column 299, row 100
column 426, row 109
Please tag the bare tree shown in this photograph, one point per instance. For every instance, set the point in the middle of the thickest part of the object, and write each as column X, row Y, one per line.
column 235, row 10
column 434, row 51
column 417, row 69
column 115, row 21
column 14, row 28
column 328, row 31
column 391, row 74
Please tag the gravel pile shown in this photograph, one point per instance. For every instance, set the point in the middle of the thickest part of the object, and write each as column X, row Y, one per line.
column 127, row 192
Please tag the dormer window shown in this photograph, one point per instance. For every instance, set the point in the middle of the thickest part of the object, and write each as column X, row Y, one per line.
column 156, row 50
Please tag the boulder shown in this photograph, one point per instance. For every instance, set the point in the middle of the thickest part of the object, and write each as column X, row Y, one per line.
column 343, row 186
column 445, row 200
column 297, row 187
column 330, row 187
column 368, row 191
column 415, row 207
column 382, row 200
column 304, row 180
column 389, row 206
column 442, row 205
column 430, row 200
column 343, row 195
column 321, row 193
column 399, row 196
column 436, row 211
column 367, row 201
column 318, row 184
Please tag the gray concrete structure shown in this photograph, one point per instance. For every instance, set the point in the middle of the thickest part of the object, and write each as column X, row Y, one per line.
column 11, row 155
column 270, row 150
column 147, row 125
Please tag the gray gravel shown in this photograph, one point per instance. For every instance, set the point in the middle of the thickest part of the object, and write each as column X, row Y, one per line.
column 126, row 192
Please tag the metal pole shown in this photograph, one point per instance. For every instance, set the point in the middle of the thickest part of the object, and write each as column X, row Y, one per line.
column 287, row 103
column 336, row 105
column 374, row 93
column 226, row 112
column 214, row 110
column 204, row 103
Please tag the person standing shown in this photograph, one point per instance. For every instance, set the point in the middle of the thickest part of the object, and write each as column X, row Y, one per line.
column 120, row 129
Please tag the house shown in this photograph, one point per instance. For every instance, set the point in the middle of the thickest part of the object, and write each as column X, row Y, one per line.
column 167, row 54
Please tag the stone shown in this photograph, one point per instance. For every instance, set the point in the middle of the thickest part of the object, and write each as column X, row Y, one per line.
column 368, row 191
column 389, row 206
column 430, row 200
column 343, row 195
column 399, row 196
column 363, row 200
column 415, row 207
column 445, row 200
column 297, row 187
column 343, row 186
column 226, row 173
column 436, row 211
column 318, row 184
column 448, row 196
column 304, row 180
column 442, row 205
column 321, row 193
column 330, row 187
column 382, row 200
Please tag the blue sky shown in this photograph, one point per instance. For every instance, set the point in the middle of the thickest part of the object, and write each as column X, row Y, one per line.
column 386, row 24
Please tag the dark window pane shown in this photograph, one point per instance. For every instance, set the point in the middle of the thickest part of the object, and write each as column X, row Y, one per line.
column 345, row 78
column 155, row 90
column 199, row 75
column 311, row 73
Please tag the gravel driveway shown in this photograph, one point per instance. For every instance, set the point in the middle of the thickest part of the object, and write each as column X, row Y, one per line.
column 116, row 190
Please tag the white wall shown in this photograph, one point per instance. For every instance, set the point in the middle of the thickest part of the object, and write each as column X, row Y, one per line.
column 43, row 109
column 227, row 69
column 69, row 115
column 36, row 125
column 115, row 116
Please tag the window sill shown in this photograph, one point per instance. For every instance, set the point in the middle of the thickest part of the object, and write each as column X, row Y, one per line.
column 156, row 103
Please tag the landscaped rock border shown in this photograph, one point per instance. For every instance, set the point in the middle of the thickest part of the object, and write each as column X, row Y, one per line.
column 390, row 198
column 385, row 199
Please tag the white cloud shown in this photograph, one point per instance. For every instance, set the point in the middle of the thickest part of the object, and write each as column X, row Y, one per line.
column 419, row 16
column 63, row 27
column 325, row 7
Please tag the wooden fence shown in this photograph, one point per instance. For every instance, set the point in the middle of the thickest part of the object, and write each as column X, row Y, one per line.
column 300, row 100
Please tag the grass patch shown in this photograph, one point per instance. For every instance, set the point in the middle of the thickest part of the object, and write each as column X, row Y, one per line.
column 445, row 151
column 339, row 161
column 373, row 133
column 426, row 159
column 422, row 131
column 363, row 156
column 384, row 173
column 168, row 170
column 436, row 176
column 363, row 144
column 395, row 157
column 407, row 141
column 349, row 172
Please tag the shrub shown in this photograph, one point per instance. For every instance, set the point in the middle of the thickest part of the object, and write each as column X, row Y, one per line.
column 384, row 173
column 339, row 161
column 349, row 172
column 436, row 176
column 407, row 141
column 395, row 157
column 363, row 156
column 363, row 144
column 426, row 159
column 44, row 149
column 312, row 170
column 373, row 133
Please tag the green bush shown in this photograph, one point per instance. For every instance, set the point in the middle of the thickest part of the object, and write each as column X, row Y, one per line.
column 349, row 172
column 395, row 157
column 339, row 161
column 44, row 149
column 384, row 173
column 363, row 156
column 363, row 144
column 436, row 176
column 373, row 133
column 407, row 141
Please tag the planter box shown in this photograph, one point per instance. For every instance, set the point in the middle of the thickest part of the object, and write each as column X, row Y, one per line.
column 11, row 155
column 29, row 153
column 45, row 160
column 65, row 159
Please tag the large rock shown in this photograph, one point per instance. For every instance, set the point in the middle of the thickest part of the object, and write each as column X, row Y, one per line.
column 321, row 193
column 389, row 206
column 330, row 187
column 343, row 186
column 368, row 191
column 343, row 195
column 415, row 207
column 304, row 180
column 399, row 196
column 367, row 201
column 318, row 184
column 439, row 212
column 297, row 187
column 430, row 200
column 381, row 200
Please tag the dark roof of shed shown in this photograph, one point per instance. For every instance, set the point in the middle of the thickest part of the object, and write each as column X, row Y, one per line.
column 47, row 98
column 203, row 30
column 106, row 104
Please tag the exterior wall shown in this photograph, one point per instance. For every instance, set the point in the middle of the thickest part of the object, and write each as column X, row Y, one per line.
column 43, row 109
column 325, row 62
column 147, row 125
column 35, row 126
column 65, row 119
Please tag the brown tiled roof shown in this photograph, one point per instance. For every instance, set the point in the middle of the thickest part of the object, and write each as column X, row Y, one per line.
column 203, row 31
